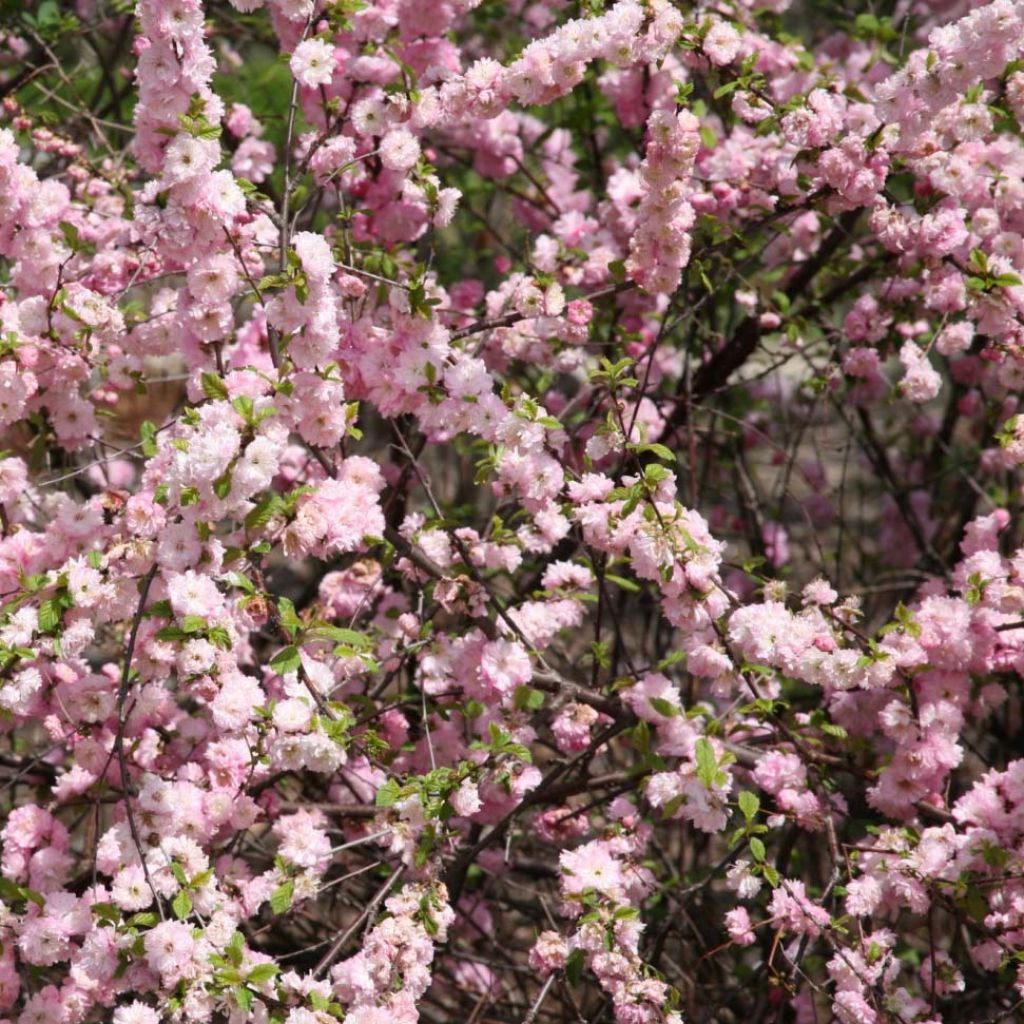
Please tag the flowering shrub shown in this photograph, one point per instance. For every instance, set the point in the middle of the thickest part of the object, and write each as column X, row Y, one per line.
column 510, row 512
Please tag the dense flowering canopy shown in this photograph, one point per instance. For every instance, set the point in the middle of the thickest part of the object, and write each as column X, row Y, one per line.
column 510, row 512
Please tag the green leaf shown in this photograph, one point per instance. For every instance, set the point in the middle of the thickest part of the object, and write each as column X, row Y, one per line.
column 664, row 707
column 213, row 387
column 707, row 763
column 222, row 485
column 182, row 905
column 642, row 737
column 264, row 511
column 237, row 580
column 13, row 892
column 49, row 615
column 244, row 406
column 662, row 451
column 574, row 967
column 630, row 586
column 340, row 635
column 234, row 948
column 289, row 617
column 831, row 729
column 388, row 793
column 757, row 848
column 281, row 897
column 262, row 973
column 74, row 239
column 147, row 431
column 975, row 904
column 750, row 804
column 219, row 637
column 528, row 699
column 273, row 281
column 286, row 660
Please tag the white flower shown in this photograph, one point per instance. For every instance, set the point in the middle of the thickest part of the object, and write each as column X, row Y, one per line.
column 312, row 63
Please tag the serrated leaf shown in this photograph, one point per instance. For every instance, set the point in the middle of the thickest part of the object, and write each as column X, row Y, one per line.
column 286, row 660
column 214, row 387
column 237, row 580
column 289, row 617
column 707, row 763
column 49, row 615
column 340, row 635
column 750, row 804
column 244, row 406
column 262, row 973
column 265, row 510
column 281, row 897
column 181, row 905
column 388, row 793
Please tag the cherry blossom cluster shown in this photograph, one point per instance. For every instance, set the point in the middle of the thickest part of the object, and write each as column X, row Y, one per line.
column 511, row 511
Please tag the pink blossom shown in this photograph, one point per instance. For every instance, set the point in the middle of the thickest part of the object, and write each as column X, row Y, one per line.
column 169, row 946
